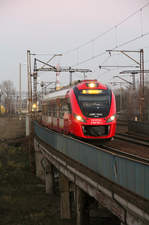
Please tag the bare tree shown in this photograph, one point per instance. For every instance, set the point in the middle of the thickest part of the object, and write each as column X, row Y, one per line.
column 128, row 102
column 9, row 93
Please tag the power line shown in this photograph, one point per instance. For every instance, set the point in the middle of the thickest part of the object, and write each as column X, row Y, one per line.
column 109, row 30
column 120, row 45
column 134, row 39
column 90, row 58
column 88, row 42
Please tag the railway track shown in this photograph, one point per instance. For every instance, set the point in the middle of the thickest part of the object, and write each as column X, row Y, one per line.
column 122, row 122
column 121, row 153
column 127, row 155
column 132, row 139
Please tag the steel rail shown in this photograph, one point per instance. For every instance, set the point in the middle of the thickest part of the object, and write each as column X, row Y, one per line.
column 132, row 139
column 127, row 155
column 135, row 136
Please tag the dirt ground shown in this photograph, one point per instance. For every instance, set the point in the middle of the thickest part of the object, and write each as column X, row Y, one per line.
column 23, row 200
column 12, row 127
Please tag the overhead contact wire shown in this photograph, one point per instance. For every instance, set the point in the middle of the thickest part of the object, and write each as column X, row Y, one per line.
column 107, row 31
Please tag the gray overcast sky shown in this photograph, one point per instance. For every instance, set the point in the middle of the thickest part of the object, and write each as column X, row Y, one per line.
column 46, row 26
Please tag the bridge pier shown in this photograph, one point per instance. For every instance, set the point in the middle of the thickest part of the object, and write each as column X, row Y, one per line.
column 65, row 206
column 49, row 179
column 120, row 203
column 82, row 209
column 39, row 168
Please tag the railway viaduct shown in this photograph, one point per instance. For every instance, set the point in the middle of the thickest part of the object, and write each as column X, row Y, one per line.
column 117, row 182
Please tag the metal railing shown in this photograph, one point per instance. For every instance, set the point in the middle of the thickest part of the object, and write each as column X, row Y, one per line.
column 128, row 173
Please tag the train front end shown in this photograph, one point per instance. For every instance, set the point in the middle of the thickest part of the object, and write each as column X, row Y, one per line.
column 94, row 111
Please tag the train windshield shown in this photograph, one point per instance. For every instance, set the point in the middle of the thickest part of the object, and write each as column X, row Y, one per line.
column 95, row 105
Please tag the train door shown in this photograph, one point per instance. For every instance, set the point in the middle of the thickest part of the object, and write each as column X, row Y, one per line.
column 61, row 115
column 67, row 116
column 49, row 114
column 58, row 113
column 54, row 115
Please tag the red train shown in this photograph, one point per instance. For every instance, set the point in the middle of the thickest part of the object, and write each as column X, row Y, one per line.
column 86, row 110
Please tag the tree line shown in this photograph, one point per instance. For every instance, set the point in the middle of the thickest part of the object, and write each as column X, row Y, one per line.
column 8, row 97
column 128, row 103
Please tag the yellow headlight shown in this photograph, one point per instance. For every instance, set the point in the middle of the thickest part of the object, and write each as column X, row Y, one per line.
column 84, row 91
column 112, row 118
column 91, row 85
column 34, row 106
column 79, row 118
column 92, row 91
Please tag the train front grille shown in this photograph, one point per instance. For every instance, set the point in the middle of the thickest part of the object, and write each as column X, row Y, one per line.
column 95, row 131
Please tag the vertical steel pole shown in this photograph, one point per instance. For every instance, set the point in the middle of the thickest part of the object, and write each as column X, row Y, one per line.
column 0, row 102
column 20, row 97
column 29, row 81
column 85, row 76
column 35, row 88
column 142, row 67
column 141, row 84
column 134, row 81
column 29, row 107
column 70, row 83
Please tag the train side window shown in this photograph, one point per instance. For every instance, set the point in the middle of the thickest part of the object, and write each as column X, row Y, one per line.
column 54, row 110
column 57, row 110
column 65, row 107
column 69, row 106
column 43, row 109
column 61, row 109
column 46, row 110
column 49, row 109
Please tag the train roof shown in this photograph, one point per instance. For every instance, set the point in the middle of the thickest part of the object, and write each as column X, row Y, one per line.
column 85, row 83
column 56, row 94
column 62, row 93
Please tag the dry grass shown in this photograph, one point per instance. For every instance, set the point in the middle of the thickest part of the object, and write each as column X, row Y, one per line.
column 22, row 196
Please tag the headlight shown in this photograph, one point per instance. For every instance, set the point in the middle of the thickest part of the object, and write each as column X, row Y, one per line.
column 111, row 118
column 79, row 118
column 91, row 85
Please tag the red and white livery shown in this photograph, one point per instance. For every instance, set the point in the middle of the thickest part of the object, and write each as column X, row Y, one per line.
column 86, row 110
